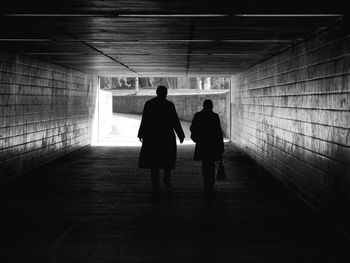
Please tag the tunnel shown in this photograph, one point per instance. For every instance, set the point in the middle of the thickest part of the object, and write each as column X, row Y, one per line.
column 71, row 189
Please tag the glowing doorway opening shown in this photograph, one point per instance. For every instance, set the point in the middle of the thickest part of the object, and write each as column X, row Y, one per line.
column 124, row 131
column 119, row 129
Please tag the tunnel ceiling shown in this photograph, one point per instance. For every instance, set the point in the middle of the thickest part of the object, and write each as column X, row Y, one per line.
column 141, row 37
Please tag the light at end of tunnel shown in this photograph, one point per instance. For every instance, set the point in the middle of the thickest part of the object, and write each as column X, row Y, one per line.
column 95, row 119
column 133, row 142
column 172, row 15
column 128, row 142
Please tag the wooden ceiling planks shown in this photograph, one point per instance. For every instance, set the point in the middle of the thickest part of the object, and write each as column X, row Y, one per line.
column 171, row 6
column 140, row 37
column 126, row 29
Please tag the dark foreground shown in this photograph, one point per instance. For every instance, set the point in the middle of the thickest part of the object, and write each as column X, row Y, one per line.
column 95, row 205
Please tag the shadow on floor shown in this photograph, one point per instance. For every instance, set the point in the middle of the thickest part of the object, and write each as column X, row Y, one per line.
column 95, row 205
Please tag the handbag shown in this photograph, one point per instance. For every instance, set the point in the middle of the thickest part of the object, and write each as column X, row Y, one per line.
column 221, row 174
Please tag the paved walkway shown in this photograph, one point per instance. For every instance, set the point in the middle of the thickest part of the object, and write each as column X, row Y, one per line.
column 95, row 205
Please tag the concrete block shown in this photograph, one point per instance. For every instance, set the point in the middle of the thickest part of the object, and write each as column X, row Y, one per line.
column 292, row 112
column 34, row 100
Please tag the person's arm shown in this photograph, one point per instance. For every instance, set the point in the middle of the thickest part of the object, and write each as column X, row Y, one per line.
column 220, row 136
column 177, row 126
column 194, row 128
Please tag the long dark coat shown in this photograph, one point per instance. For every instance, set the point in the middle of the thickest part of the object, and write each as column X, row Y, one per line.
column 206, row 132
column 159, row 120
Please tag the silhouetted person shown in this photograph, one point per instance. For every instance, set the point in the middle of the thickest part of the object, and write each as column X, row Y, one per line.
column 158, row 151
column 206, row 132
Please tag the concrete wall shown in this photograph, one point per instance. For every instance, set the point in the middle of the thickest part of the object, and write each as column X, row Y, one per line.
column 186, row 105
column 291, row 113
column 45, row 112
column 105, row 114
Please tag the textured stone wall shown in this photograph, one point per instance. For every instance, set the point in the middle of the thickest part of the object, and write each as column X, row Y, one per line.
column 45, row 112
column 291, row 113
column 186, row 105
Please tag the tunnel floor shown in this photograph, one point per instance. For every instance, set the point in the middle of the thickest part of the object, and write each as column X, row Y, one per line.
column 95, row 205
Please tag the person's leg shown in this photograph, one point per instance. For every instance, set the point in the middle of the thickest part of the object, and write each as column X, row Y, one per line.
column 205, row 174
column 167, row 178
column 155, row 178
column 211, row 172
column 208, row 171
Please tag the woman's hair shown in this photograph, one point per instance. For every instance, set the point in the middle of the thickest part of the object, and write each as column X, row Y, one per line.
column 162, row 91
column 208, row 104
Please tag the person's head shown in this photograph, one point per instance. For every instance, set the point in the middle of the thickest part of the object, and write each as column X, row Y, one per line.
column 208, row 105
column 162, row 91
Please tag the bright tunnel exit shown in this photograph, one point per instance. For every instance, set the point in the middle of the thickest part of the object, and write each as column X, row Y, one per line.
column 120, row 102
column 124, row 129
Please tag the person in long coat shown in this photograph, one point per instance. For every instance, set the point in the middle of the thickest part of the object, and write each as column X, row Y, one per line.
column 206, row 132
column 156, row 132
